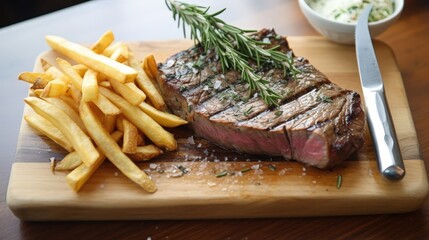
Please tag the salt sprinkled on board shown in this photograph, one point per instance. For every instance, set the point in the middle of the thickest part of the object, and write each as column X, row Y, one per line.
column 211, row 184
column 255, row 167
column 191, row 140
column 217, row 84
column 153, row 166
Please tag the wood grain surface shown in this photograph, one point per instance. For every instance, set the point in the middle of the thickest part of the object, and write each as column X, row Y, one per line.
column 408, row 39
column 291, row 189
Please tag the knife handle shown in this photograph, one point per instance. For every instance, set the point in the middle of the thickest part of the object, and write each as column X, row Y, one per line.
column 389, row 157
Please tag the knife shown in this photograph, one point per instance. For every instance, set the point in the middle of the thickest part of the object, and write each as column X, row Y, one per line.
column 380, row 123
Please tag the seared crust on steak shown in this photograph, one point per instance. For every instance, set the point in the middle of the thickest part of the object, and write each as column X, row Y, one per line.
column 316, row 122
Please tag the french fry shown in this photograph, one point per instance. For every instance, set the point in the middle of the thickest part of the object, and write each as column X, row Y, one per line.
column 100, row 63
column 131, row 96
column 90, row 86
column 80, row 175
column 146, row 84
column 163, row 118
column 105, row 84
column 111, row 48
column 55, row 72
column 55, row 88
column 75, row 94
column 121, row 54
column 72, row 160
column 69, row 162
column 39, row 84
column 136, row 89
column 110, row 148
column 67, row 69
column 109, row 122
column 79, row 140
column 146, row 69
column 49, row 130
column 45, row 64
column 103, row 42
column 119, row 124
column 140, row 139
column 70, row 102
column 33, row 77
column 150, row 67
column 158, row 135
column 104, row 104
column 62, row 105
column 81, row 69
column 144, row 153
column 131, row 136
column 101, row 77
column 36, row 92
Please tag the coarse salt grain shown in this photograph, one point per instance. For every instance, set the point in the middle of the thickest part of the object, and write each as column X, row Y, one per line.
column 153, row 166
column 191, row 140
column 199, row 145
column 217, row 84
column 211, row 184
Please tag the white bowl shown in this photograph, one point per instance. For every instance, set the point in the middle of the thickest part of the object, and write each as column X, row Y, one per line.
column 345, row 32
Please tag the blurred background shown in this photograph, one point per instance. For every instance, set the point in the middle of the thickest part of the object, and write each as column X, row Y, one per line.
column 13, row 11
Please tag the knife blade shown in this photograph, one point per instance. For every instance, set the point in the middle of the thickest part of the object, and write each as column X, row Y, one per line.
column 380, row 123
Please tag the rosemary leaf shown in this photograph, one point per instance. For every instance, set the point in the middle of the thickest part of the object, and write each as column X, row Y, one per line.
column 222, row 174
column 234, row 46
column 339, row 181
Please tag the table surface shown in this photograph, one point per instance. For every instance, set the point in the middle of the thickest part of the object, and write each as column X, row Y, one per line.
column 136, row 20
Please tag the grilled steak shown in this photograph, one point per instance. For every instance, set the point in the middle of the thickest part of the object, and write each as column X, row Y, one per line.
column 317, row 122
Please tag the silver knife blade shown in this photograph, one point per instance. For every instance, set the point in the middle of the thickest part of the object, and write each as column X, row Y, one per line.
column 380, row 123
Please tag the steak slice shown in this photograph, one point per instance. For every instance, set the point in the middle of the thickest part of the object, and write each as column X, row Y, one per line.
column 317, row 122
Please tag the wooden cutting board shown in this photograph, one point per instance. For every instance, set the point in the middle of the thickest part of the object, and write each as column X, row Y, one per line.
column 271, row 188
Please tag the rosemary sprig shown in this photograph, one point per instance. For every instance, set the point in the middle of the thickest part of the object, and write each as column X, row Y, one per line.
column 233, row 46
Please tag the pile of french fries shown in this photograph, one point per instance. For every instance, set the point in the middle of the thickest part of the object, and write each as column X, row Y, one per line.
column 104, row 104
